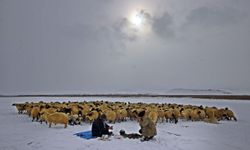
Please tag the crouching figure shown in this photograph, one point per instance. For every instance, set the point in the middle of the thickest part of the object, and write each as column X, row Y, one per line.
column 148, row 129
column 99, row 127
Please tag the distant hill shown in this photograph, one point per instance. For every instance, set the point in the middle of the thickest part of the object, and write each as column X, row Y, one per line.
column 199, row 91
column 177, row 93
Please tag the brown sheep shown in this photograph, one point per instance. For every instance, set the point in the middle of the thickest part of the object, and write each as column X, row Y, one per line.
column 195, row 115
column 229, row 114
column 202, row 114
column 121, row 115
column 74, row 110
column 111, row 116
column 35, row 113
column 92, row 115
column 45, row 112
column 210, row 112
column 219, row 113
column 132, row 113
column 20, row 107
column 153, row 115
column 171, row 116
column 211, row 119
column 176, row 112
column 28, row 108
column 161, row 114
column 58, row 118
column 186, row 113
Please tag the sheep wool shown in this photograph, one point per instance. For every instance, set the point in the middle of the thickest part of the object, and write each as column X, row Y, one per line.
column 111, row 116
column 58, row 118
column 35, row 113
column 153, row 115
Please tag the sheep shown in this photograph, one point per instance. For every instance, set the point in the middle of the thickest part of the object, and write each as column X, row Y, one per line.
column 83, row 113
column 170, row 116
column 132, row 113
column 211, row 119
column 75, row 120
column 119, row 111
column 45, row 112
column 58, row 117
column 197, row 114
column 186, row 113
column 121, row 114
column 91, row 116
column 176, row 114
column 219, row 113
column 28, row 108
column 194, row 114
column 20, row 107
column 211, row 112
column 74, row 110
column 111, row 116
column 35, row 113
column 202, row 114
column 153, row 115
column 229, row 114
column 161, row 114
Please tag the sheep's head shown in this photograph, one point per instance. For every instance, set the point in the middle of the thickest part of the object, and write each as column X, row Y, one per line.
column 122, row 132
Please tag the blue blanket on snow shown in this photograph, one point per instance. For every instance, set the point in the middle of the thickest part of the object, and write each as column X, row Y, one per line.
column 85, row 135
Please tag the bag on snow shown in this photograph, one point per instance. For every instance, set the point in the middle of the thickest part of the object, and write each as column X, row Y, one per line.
column 85, row 134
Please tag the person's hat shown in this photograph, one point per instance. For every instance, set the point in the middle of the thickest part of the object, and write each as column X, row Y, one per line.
column 141, row 114
column 103, row 116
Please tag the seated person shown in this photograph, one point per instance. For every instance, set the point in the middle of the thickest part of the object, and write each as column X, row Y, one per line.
column 99, row 127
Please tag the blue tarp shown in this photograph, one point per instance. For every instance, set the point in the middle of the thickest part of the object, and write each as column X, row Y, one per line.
column 85, row 135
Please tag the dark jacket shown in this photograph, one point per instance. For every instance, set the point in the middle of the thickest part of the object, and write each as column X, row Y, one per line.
column 99, row 128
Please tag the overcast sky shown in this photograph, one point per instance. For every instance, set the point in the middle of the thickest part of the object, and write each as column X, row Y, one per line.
column 72, row 46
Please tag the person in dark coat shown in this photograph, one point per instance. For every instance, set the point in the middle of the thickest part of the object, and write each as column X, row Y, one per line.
column 99, row 127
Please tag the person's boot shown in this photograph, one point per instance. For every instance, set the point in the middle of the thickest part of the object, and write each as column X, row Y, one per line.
column 144, row 139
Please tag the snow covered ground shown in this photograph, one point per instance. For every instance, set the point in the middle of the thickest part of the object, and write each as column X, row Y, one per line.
column 17, row 132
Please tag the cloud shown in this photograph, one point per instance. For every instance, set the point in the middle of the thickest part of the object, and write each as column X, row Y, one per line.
column 128, row 31
column 163, row 26
column 101, row 39
column 123, row 29
column 92, row 45
column 213, row 16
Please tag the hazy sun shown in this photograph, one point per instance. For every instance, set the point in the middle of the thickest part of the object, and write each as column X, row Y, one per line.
column 139, row 23
column 137, row 19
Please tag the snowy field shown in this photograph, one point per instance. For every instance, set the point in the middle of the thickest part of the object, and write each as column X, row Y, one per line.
column 17, row 132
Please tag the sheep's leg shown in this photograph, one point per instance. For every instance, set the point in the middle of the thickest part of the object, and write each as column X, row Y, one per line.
column 176, row 120
column 235, row 119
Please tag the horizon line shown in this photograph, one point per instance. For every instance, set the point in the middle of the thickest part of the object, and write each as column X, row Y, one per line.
column 201, row 96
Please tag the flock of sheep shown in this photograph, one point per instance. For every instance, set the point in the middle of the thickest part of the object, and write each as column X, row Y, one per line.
column 75, row 113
